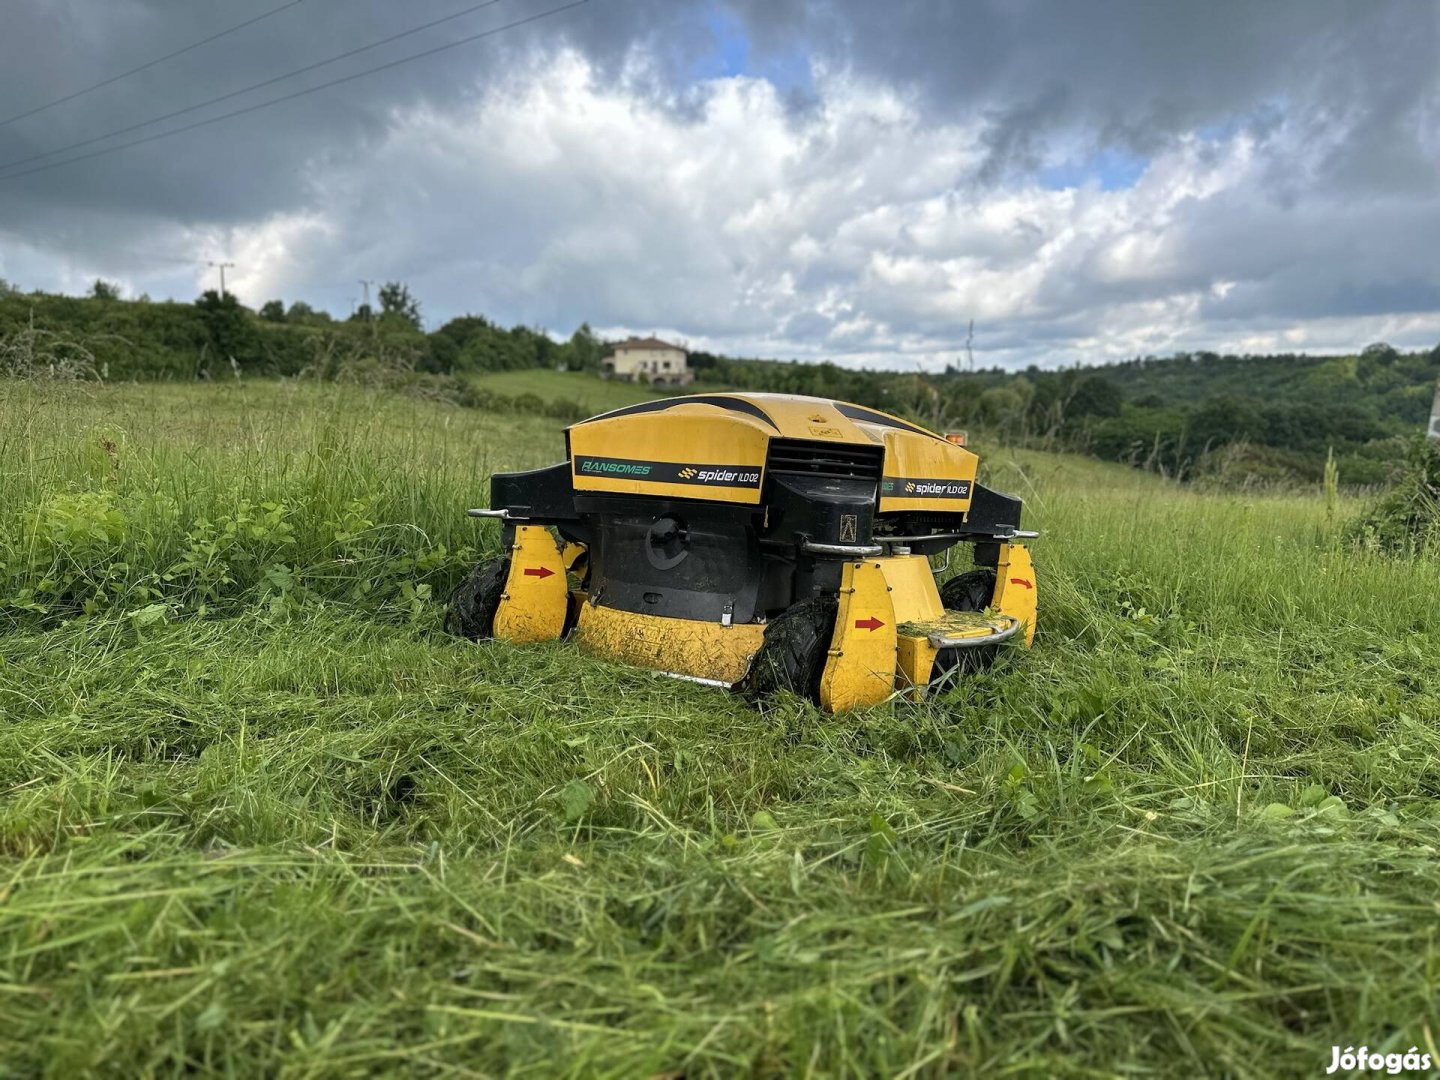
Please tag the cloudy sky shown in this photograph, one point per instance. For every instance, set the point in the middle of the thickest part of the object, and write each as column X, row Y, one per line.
column 847, row 179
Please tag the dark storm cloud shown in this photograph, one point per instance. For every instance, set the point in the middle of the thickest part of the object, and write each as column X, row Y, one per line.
column 1131, row 72
column 253, row 165
column 186, row 175
column 1135, row 73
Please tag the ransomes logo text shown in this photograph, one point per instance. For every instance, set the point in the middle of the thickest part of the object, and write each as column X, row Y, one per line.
column 614, row 468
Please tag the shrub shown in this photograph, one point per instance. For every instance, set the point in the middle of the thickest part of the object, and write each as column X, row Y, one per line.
column 1406, row 519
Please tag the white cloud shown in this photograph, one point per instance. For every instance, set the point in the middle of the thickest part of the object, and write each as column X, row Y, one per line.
column 867, row 226
column 856, row 229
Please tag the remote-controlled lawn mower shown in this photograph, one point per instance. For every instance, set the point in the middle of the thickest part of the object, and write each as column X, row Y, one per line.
column 762, row 542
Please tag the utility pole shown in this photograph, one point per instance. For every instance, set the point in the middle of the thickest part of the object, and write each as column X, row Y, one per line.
column 222, row 267
column 369, row 311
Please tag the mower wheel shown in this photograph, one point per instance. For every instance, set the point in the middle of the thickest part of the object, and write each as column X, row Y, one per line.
column 970, row 591
column 476, row 599
column 792, row 656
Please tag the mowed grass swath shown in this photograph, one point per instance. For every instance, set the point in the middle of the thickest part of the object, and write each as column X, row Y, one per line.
column 261, row 815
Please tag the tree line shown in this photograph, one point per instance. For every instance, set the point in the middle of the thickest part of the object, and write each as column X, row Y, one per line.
column 1231, row 418
column 217, row 336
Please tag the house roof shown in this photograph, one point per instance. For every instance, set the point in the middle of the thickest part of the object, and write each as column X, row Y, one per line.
column 647, row 343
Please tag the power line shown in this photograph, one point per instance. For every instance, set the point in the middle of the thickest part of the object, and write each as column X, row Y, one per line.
column 246, row 89
column 147, row 66
column 150, row 256
column 298, row 93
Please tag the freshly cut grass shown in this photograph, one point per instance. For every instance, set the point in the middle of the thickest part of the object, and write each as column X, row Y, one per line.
column 286, row 826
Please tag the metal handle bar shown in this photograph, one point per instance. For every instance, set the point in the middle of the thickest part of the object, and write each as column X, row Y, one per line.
column 940, row 641
column 844, row 551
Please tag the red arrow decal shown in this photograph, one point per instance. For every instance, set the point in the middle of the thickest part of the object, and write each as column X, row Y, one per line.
column 872, row 624
column 1013, row 581
column 538, row 571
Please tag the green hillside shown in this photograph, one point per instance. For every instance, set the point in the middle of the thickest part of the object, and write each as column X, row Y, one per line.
column 1232, row 420
column 589, row 392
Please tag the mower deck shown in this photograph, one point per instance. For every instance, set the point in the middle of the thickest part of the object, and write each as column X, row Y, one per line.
column 701, row 651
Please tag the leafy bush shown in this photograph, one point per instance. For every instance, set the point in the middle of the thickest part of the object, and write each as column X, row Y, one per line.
column 1406, row 519
column 83, row 554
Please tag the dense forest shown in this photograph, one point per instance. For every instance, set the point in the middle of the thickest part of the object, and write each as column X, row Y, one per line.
column 1227, row 419
column 1232, row 418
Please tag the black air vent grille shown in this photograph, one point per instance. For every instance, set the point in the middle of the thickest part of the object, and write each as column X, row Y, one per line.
column 827, row 459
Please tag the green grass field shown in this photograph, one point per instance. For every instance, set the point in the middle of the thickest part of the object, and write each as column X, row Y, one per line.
column 261, row 817
column 592, row 393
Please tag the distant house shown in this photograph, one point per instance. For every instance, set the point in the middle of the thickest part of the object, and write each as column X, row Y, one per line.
column 648, row 360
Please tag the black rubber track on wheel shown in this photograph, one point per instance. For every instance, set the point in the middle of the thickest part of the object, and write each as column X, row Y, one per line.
column 792, row 656
column 476, row 599
column 970, row 591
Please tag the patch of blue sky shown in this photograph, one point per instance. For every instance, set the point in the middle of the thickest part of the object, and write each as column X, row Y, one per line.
column 1109, row 170
column 1264, row 117
column 732, row 55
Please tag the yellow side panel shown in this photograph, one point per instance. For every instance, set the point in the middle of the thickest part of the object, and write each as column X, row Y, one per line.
column 924, row 473
column 686, row 452
column 912, row 588
column 915, row 659
column 1015, row 587
column 533, row 605
column 860, row 670
column 701, row 650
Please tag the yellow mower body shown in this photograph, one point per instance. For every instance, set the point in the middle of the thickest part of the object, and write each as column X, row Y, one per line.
column 758, row 541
